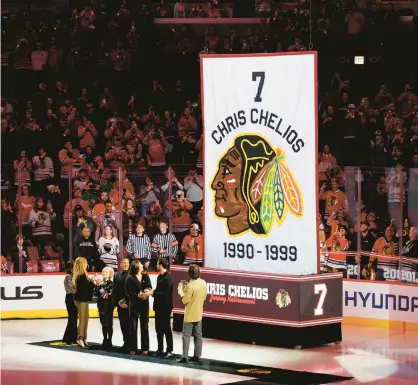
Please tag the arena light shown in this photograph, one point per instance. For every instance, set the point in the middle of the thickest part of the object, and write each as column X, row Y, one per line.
column 359, row 60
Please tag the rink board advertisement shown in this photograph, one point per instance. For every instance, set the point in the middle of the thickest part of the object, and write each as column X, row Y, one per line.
column 39, row 296
column 381, row 301
column 268, row 299
column 260, row 162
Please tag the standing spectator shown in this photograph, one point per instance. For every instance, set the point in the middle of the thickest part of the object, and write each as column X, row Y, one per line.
column 44, row 172
column 23, row 166
column 129, row 218
column 8, row 226
column 193, row 184
column 335, row 200
column 153, row 218
column 179, row 9
column 108, row 246
column 175, row 186
column 40, row 220
column 67, row 156
column 139, row 244
column 85, row 246
column 148, row 193
column 180, row 208
column 109, row 218
column 70, row 206
column 156, row 147
column 187, row 122
column 24, row 205
column 384, row 100
column 165, row 244
column 396, row 181
column 39, row 58
column 87, row 134
column 192, row 246
column 326, row 160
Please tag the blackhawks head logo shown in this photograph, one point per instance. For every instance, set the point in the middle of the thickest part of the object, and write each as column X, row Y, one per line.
column 254, row 188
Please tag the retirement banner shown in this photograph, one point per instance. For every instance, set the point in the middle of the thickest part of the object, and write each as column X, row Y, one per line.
column 260, row 159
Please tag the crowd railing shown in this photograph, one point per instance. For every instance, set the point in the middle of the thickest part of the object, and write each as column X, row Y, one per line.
column 368, row 226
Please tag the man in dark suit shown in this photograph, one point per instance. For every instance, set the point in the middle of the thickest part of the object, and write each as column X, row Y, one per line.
column 119, row 294
column 163, row 305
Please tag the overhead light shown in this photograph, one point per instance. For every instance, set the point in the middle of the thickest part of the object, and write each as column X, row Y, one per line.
column 359, row 60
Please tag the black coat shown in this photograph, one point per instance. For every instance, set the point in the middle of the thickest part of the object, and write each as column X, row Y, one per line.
column 119, row 285
column 84, row 289
column 163, row 293
column 133, row 288
column 86, row 248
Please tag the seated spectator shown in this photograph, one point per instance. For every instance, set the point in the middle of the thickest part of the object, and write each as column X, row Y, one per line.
column 99, row 207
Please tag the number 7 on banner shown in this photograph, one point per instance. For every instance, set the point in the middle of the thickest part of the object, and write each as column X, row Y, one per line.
column 322, row 290
column 262, row 76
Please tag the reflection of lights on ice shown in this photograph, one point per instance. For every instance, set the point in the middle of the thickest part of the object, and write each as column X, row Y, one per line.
column 366, row 367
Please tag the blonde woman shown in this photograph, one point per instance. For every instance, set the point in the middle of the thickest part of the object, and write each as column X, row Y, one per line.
column 106, row 304
column 83, row 286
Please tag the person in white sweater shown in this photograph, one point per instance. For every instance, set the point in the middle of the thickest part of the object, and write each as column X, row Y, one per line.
column 108, row 246
column 44, row 172
column 40, row 221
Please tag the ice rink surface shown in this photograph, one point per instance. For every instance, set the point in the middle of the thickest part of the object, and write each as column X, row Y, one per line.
column 371, row 356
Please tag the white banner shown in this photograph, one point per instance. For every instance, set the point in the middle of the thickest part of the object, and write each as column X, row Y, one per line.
column 381, row 301
column 260, row 160
column 38, row 296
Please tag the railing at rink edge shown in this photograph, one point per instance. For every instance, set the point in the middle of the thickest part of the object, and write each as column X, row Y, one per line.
column 386, row 260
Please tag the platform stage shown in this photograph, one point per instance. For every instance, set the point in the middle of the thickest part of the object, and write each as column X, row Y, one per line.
column 267, row 309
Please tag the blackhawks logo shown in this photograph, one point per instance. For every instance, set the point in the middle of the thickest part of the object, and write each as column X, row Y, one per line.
column 254, row 187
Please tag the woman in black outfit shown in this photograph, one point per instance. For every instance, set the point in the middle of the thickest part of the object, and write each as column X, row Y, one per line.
column 138, row 289
column 105, row 304
column 84, row 294
column 70, row 335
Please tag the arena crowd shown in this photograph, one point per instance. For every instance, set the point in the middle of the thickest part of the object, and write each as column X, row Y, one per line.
column 102, row 138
